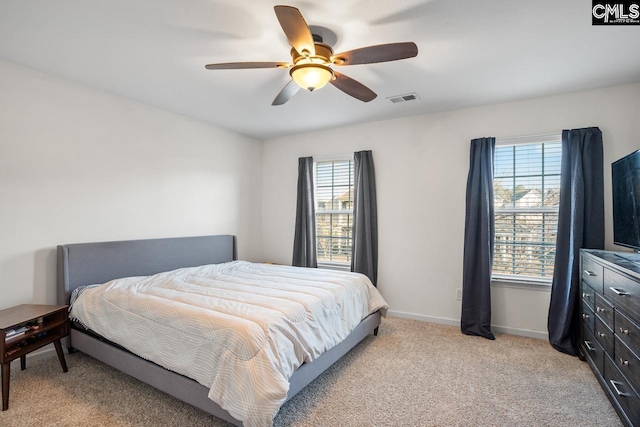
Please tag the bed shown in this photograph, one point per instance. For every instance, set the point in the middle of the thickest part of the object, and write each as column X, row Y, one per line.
column 95, row 263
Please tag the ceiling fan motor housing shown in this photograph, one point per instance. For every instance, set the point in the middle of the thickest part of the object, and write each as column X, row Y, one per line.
column 322, row 56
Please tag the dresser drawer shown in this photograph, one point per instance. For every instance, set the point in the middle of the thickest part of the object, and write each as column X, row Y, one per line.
column 628, row 363
column 627, row 331
column 603, row 335
column 593, row 350
column 589, row 296
column 604, row 310
column 621, row 391
column 622, row 291
column 592, row 274
column 588, row 318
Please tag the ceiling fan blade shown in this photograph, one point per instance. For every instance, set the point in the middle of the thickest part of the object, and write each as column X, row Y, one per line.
column 243, row 65
column 296, row 29
column 286, row 93
column 352, row 87
column 377, row 53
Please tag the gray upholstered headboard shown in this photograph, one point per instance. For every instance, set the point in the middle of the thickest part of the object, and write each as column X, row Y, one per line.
column 90, row 263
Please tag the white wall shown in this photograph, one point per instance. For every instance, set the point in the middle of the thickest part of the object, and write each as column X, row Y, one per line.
column 421, row 170
column 79, row 165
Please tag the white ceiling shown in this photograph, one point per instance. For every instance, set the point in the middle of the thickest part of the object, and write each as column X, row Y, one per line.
column 471, row 52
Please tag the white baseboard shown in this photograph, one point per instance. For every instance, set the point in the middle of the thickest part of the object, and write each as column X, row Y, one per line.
column 521, row 332
column 423, row 318
column 40, row 354
column 456, row 322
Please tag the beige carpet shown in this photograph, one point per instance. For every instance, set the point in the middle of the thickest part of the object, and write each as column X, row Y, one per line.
column 412, row 374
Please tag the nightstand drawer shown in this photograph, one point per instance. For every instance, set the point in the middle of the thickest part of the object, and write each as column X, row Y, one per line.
column 627, row 331
column 622, row 391
column 628, row 363
column 604, row 310
column 621, row 291
column 592, row 274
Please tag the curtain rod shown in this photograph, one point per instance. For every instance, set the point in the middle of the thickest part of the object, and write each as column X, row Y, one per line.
column 529, row 139
column 333, row 157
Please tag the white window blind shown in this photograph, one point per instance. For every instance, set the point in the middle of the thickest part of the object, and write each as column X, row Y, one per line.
column 526, row 189
column 334, row 210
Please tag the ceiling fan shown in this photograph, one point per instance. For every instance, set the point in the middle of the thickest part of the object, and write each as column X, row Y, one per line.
column 312, row 60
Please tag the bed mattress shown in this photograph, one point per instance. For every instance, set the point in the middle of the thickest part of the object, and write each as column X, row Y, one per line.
column 238, row 328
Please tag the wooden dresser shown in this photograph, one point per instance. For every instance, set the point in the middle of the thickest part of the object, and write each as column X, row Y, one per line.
column 610, row 291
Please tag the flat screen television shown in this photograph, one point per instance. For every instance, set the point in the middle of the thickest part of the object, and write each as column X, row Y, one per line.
column 626, row 201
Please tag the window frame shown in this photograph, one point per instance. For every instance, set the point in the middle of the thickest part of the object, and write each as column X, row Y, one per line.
column 333, row 265
column 514, row 280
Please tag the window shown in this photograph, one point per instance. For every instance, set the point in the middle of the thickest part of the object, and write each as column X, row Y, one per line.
column 334, row 211
column 526, row 187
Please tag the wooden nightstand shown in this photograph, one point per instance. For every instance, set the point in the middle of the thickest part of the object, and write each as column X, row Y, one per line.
column 48, row 324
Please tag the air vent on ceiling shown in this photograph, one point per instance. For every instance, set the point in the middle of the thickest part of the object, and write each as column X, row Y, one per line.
column 404, row 98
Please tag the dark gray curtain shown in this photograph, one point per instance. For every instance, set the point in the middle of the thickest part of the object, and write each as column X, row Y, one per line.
column 304, row 241
column 365, row 217
column 580, row 225
column 478, row 241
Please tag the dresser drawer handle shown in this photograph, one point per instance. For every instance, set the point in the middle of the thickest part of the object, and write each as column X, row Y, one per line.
column 585, row 316
column 589, row 273
column 589, row 346
column 624, row 362
column 624, row 331
column 600, row 334
column 600, row 310
column 618, row 291
column 615, row 385
column 586, row 295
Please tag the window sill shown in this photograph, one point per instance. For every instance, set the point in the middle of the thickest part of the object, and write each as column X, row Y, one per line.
column 340, row 266
column 533, row 284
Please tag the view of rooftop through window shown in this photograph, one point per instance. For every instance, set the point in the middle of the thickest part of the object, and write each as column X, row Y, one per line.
column 526, row 189
column 334, row 210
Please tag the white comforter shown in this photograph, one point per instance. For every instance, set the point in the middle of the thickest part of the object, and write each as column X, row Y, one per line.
column 239, row 328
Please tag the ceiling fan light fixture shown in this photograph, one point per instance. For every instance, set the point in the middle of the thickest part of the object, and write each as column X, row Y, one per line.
column 311, row 76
